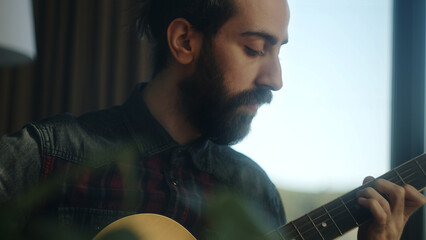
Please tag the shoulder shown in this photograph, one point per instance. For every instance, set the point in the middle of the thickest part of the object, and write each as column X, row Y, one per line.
column 241, row 172
column 249, row 179
column 78, row 139
column 235, row 165
column 19, row 162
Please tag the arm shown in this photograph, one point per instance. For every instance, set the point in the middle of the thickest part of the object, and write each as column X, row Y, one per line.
column 390, row 216
column 20, row 162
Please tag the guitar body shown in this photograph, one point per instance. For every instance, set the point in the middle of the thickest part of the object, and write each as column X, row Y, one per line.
column 148, row 226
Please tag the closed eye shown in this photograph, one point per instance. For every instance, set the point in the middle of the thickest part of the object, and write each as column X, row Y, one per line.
column 254, row 53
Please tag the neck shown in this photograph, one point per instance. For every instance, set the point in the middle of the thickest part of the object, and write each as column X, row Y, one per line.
column 161, row 96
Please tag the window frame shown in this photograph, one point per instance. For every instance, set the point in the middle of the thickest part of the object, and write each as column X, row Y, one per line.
column 408, row 93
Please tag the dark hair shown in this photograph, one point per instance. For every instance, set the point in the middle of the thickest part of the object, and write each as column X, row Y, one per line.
column 154, row 16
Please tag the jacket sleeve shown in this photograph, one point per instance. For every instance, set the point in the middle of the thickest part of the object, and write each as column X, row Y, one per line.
column 20, row 162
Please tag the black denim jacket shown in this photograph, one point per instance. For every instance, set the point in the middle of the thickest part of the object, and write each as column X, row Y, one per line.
column 80, row 141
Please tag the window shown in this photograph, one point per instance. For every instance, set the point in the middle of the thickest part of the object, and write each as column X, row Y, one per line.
column 329, row 126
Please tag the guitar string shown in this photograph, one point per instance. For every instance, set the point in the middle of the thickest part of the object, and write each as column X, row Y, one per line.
column 308, row 226
column 349, row 202
column 410, row 169
column 394, row 179
column 418, row 164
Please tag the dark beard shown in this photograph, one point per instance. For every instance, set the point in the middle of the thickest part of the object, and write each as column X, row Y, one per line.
column 208, row 106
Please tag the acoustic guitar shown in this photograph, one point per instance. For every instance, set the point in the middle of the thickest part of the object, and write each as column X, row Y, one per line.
column 329, row 221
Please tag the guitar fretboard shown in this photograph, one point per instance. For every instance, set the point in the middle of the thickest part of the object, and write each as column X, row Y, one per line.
column 344, row 213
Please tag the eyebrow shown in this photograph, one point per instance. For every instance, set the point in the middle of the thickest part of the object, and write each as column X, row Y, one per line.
column 271, row 39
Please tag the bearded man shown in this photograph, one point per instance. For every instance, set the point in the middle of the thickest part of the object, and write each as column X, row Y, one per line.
column 166, row 150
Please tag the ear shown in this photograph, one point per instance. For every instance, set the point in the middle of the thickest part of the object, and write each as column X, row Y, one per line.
column 184, row 41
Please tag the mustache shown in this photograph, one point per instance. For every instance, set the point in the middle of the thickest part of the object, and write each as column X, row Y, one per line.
column 251, row 97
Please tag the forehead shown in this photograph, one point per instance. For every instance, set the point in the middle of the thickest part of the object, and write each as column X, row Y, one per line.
column 269, row 16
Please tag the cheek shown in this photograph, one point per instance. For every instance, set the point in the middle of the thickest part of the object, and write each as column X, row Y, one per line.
column 240, row 79
column 239, row 70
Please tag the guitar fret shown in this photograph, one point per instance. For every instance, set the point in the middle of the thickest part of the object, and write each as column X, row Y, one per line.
column 402, row 180
column 340, row 215
column 409, row 179
column 287, row 232
column 344, row 204
column 340, row 232
column 412, row 174
column 418, row 164
column 344, row 213
column 297, row 230
column 310, row 219
column 325, row 228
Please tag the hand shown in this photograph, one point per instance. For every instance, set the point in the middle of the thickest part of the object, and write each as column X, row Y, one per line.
column 389, row 217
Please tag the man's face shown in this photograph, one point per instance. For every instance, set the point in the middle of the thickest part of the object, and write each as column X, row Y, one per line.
column 236, row 71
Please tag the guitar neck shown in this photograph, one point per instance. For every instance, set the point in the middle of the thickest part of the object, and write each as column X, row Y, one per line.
column 339, row 216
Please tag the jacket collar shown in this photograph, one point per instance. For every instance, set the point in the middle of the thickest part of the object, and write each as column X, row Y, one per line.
column 150, row 137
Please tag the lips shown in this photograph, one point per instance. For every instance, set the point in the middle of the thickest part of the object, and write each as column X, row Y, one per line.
column 252, row 107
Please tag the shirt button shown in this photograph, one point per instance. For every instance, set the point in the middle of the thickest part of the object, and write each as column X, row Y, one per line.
column 175, row 181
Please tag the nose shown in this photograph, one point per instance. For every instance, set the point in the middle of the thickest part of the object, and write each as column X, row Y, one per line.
column 271, row 77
